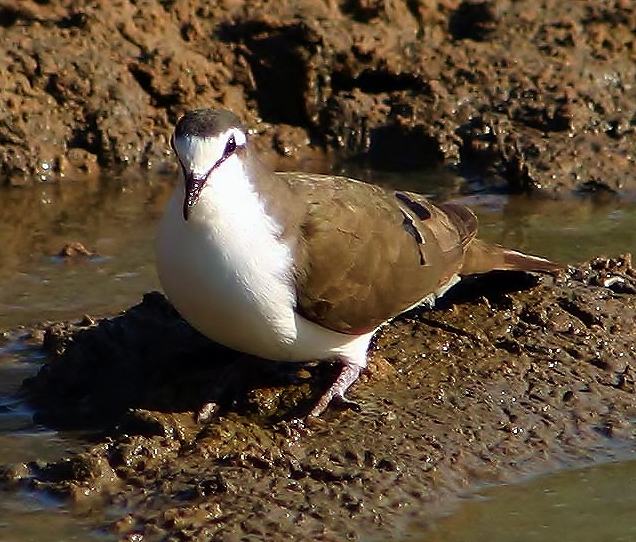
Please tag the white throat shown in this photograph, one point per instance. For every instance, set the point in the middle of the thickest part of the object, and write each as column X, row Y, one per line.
column 228, row 260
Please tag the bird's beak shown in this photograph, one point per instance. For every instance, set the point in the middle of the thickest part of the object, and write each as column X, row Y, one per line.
column 193, row 186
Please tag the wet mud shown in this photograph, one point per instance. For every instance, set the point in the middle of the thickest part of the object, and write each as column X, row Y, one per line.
column 521, row 96
column 511, row 374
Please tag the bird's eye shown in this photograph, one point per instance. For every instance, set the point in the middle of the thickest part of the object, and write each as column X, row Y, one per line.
column 230, row 147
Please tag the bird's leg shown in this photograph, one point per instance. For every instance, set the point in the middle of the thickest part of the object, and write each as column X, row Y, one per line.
column 348, row 375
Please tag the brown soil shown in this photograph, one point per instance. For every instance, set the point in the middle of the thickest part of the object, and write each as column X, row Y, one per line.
column 512, row 374
column 521, row 95
column 506, row 377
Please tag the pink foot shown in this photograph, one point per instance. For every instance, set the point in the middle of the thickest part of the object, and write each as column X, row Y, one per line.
column 348, row 375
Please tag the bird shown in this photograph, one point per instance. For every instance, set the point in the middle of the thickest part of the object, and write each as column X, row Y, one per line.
column 294, row 266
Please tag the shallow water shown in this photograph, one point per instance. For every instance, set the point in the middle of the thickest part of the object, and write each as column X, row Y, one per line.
column 31, row 517
column 581, row 505
column 116, row 221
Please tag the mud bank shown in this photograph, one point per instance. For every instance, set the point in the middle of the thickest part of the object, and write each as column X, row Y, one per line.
column 515, row 95
column 511, row 374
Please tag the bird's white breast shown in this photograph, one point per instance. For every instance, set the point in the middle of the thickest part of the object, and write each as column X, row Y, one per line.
column 229, row 273
column 225, row 269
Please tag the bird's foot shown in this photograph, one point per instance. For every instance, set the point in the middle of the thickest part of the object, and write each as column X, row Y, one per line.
column 348, row 375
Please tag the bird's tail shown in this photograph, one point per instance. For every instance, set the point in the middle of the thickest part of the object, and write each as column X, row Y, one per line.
column 482, row 257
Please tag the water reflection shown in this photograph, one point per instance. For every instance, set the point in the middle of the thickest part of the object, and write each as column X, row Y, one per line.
column 116, row 218
column 590, row 504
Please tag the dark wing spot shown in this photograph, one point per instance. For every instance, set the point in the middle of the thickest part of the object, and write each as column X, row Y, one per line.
column 412, row 230
column 420, row 211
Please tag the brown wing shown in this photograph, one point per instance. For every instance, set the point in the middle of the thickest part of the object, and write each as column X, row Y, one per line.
column 364, row 254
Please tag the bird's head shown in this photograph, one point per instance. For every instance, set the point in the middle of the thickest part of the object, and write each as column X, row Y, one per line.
column 205, row 141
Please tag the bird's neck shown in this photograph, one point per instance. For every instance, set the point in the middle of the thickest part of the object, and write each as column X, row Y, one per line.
column 246, row 204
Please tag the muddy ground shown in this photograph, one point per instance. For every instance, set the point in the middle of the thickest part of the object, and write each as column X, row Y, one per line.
column 511, row 374
column 514, row 95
